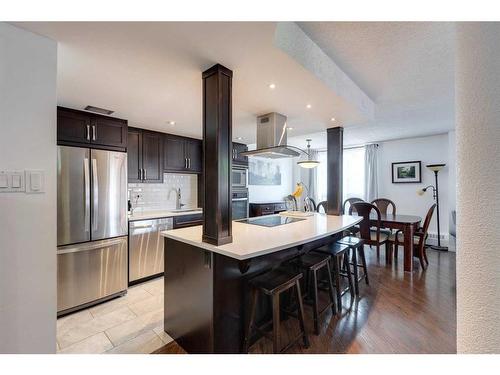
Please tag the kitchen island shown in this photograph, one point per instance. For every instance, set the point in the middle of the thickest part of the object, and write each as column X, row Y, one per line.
column 206, row 286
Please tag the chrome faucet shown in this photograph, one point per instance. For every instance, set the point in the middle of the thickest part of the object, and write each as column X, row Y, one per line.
column 178, row 204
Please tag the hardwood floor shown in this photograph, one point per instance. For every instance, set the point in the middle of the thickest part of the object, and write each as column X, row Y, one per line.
column 397, row 313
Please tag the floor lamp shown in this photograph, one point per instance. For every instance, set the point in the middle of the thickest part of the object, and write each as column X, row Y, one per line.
column 435, row 190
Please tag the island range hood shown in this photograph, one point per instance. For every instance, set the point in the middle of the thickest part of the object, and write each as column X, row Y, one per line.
column 271, row 138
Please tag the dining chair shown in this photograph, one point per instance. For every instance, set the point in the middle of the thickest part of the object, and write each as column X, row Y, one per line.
column 322, row 204
column 370, row 233
column 350, row 201
column 383, row 205
column 419, row 237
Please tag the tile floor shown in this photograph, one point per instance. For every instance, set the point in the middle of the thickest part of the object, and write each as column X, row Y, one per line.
column 132, row 324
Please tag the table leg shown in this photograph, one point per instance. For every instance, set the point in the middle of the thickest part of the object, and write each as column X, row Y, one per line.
column 408, row 247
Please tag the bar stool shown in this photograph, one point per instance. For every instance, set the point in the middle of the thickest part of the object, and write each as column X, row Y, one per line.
column 339, row 255
column 273, row 284
column 310, row 264
column 356, row 245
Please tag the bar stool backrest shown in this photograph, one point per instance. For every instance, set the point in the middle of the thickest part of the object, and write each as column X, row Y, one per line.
column 322, row 204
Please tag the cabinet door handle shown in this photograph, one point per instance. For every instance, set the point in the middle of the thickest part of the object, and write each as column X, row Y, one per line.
column 145, row 174
column 140, row 173
column 185, row 163
column 189, row 163
column 88, row 132
column 94, row 132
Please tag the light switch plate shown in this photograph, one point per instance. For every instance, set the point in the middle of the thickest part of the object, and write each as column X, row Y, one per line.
column 12, row 181
column 35, row 181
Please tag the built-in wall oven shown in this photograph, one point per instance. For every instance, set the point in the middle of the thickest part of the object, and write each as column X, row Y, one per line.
column 239, row 178
column 240, row 204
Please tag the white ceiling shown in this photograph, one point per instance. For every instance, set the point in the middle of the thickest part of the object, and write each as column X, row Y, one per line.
column 150, row 74
column 406, row 68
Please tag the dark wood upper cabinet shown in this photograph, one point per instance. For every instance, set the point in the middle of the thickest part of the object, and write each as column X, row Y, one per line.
column 152, row 156
column 80, row 128
column 134, row 155
column 194, row 155
column 109, row 131
column 144, row 156
column 182, row 154
column 239, row 159
column 174, row 154
column 73, row 126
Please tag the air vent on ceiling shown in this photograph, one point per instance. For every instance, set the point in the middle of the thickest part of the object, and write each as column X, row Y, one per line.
column 102, row 111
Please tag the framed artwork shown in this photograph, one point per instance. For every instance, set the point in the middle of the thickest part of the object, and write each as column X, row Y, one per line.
column 263, row 172
column 406, row 172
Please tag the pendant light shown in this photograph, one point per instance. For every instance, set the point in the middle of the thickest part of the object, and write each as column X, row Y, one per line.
column 309, row 163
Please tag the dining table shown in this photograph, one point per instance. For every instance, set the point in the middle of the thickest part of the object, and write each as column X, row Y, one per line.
column 408, row 224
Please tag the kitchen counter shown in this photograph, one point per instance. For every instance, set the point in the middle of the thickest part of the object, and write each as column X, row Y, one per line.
column 206, row 286
column 251, row 240
column 158, row 214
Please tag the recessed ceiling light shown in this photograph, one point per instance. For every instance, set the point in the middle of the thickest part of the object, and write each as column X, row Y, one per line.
column 332, row 119
column 308, row 106
column 272, row 86
column 239, row 138
column 290, row 128
column 171, row 122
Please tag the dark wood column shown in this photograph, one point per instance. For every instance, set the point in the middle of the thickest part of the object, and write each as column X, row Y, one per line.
column 217, row 161
column 335, row 146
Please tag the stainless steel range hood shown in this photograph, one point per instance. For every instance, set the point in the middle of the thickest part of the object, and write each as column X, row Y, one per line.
column 272, row 137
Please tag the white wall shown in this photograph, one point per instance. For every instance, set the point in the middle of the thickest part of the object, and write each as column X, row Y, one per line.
column 429, row 150
column 478, row 173
column 28, row 66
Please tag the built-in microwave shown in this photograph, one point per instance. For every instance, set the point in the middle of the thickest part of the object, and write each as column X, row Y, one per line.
column 239, row 178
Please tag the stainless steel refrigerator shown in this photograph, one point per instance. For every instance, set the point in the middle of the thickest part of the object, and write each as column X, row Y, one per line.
column 91, row 226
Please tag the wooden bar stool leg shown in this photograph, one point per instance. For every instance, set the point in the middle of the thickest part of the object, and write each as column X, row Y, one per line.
column 361, row 253
column 356, row 273
column 276, row 323
column 330, row 288
column 315, row 302
column 301, row 315
column 253, row 306
column 349, row 277
column 336, row 275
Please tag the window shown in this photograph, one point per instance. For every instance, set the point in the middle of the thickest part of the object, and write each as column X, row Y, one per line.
column 354, row 174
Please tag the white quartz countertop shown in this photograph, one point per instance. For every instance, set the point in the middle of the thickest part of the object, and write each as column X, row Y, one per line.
column 251, row 240
column 158, row 214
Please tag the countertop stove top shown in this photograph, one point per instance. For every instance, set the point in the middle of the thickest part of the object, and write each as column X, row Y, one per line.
column 270, row 221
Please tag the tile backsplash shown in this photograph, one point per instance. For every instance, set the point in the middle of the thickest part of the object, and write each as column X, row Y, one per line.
column 161, row 196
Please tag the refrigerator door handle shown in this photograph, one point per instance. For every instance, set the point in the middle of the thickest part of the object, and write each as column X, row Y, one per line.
column 90, row 246
column 95, row 185
column 86, row 181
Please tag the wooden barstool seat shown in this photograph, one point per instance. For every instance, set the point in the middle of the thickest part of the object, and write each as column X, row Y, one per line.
column 356, row 245
column 310, row 264
column 273, row 284
column 340, row 269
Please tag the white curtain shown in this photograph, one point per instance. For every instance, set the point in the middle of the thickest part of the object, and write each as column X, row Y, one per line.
column 371, row 173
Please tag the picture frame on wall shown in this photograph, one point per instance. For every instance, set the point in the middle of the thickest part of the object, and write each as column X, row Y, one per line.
column 406, row 172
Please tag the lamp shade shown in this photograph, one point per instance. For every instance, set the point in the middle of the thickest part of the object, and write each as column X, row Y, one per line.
column 435, row 167
column 308, row 163
column 420, row 191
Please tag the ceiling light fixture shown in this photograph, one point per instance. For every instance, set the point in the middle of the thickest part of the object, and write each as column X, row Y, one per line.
column 308, row 106
column 272, row 86
column 171, row 123
column 332, row 119
column 310, row 162
column 239, row 138
column 289, row 128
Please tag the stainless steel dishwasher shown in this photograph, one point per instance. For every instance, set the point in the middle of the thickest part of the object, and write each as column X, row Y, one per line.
column 146, row 248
